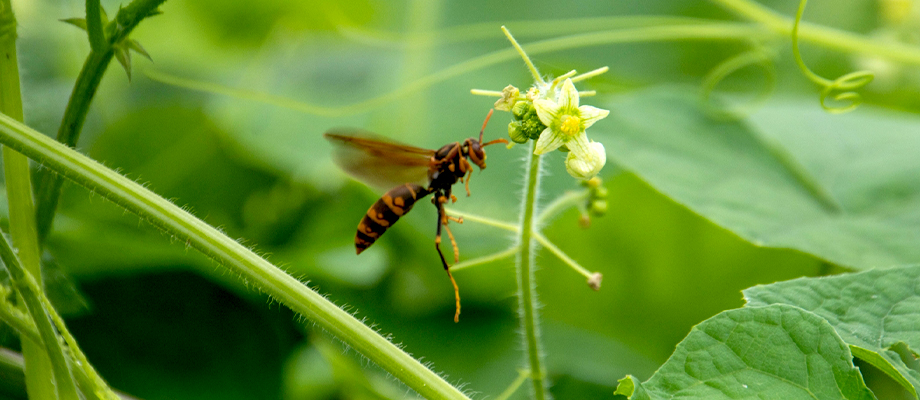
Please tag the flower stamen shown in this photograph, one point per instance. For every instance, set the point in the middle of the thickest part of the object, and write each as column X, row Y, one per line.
column 571, row 125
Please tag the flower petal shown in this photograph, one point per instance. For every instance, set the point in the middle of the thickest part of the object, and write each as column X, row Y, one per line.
column 586, row 168
column 547, row 111
column 579, row 145
column 548, row 142
column 590, row 115
column 568, row 97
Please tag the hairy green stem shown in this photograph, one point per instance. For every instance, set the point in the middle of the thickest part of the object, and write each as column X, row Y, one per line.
column 91, row 384
column 90, row 381
column 48, row 188
column 482, row 220
column 511, row 251
column 48, row 184
column 12, row 376
column 185, row 228
column 561, row 204
column 30, row 292
column 532, row 68
column 562, row 256
column 45, row 361
column 527, row 294
column 16, row 318
column 513, row 387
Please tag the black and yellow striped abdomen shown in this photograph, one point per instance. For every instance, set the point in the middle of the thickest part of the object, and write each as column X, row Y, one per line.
column 385, row 212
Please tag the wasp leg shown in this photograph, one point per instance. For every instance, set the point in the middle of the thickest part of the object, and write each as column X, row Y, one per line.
column 458, row 220
column 453, row 242
column 466, row 184
column 442, row 217
column 454, row 152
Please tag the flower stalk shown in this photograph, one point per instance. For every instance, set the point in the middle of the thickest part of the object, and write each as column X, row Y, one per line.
column 527, row 287
column 550, row 115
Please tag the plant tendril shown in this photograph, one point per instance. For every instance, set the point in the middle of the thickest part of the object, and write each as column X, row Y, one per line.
column 759, row 57
column 846, row 84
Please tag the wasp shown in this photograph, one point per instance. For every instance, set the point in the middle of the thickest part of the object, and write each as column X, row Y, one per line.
column 417, row 173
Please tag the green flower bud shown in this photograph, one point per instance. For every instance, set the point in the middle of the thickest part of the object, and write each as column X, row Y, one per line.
column 517, row 135
column 592, row 183
column 519, row 110
column 599, row 207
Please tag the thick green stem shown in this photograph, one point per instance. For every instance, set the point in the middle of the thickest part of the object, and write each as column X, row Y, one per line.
column 12, row 378
column 30, row 292
column 48, row 188
column 94, row 27
column 48, row 375
column 88, row 380
column 185, row 228
column 527, row 294
column 48, row 183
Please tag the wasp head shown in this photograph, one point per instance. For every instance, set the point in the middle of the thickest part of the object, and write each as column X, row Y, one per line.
column 476, row 153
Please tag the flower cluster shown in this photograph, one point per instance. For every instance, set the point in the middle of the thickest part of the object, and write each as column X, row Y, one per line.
column 551, row 114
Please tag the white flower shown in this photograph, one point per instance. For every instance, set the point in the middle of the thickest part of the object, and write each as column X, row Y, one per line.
column 586, row 167
column 566, row 122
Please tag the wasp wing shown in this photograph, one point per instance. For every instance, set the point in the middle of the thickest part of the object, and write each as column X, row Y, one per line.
column 379, row 161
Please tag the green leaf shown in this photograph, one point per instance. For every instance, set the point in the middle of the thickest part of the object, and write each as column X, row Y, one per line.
column 124, row 58
column 844, row 188
column 136, row 46
column 78, row 22
column 773, row 352
column 873, row 311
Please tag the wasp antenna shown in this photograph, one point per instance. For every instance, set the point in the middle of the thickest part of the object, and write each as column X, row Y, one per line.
column 484, row 123
column 505, row 141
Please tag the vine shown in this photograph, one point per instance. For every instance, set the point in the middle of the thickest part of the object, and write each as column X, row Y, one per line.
column 756, row 57
column 845, row 84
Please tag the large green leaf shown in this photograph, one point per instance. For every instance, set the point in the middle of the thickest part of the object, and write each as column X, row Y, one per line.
column 875, row 312
column 773, row 352
column 845, row 188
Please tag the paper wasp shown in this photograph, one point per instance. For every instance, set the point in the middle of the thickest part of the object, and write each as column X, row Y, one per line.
column 381, row 161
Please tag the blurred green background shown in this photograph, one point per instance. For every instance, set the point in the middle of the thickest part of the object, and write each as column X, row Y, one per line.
column 159, row 321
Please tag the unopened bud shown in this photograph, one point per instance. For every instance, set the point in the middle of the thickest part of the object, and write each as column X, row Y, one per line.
column 599, row 207
column 520, row 109
column 516, row 133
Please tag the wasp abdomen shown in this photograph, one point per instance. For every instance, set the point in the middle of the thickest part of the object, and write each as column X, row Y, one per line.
column 385, row 212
